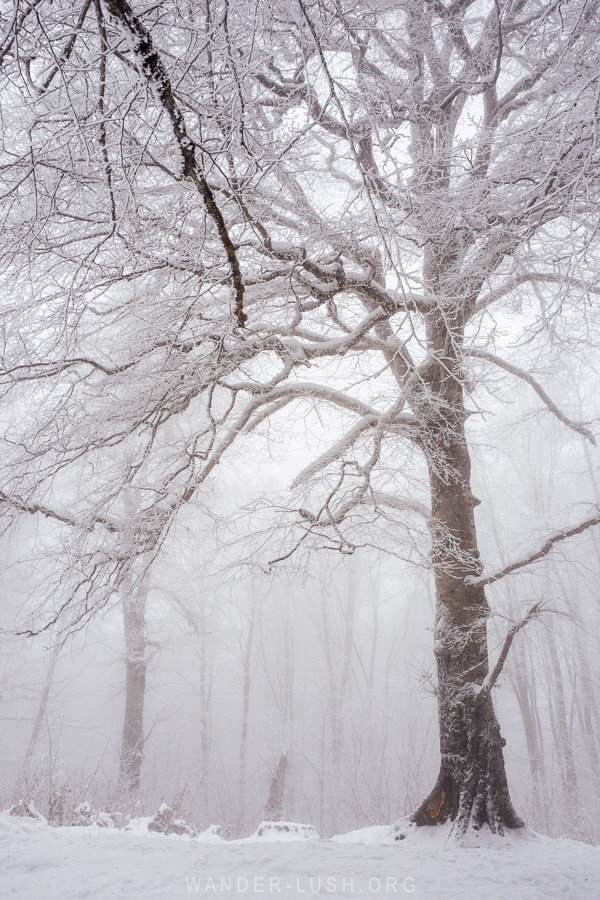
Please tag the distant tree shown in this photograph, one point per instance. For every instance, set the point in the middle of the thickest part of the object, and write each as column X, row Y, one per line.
column 274, row 806
column 218, row 214
column 42, row 705
column 134, row 600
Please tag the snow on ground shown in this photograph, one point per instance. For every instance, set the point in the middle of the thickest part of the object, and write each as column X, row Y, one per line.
column 37, row 861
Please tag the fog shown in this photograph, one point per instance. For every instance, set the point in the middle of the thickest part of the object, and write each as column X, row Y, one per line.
column 326, row 656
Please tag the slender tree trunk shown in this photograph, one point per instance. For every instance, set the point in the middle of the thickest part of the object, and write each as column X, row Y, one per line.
column 524, row 689
column 339, row 685
column 523, row 684
column 274, row 807
column 588, row 710
column 247, row 655
column 334, row 701
column 199, row 623
column 373, row 653
column 132, row 745
column 349, row 623
column 205, row 720
column 368, row 721
column 582, row 698
column 43, row 704
column 563, row 737
column 472, row 787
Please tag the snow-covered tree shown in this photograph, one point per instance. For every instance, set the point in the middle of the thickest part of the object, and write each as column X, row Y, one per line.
column 337, row 216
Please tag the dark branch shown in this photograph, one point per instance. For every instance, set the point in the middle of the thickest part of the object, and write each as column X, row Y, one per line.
column 155, row 71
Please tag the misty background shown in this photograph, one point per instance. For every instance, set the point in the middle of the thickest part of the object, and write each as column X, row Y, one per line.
column 325, row 655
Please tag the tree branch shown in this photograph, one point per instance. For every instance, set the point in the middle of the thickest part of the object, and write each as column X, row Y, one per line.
column 510, row 284
column 14, row 26
column 544, row 550
column 492, row 678
column 530, row 380
column 155, row 71
column 68, row 48
column 37, row 509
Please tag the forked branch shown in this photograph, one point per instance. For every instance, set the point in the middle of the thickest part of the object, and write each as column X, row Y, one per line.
column 494, row 675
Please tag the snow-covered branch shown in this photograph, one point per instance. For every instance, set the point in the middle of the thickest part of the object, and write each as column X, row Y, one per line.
column 535, row 555
column 155, row 71
column 47, row 512
column 540, row 278
column 579, row 427
column 335, row 451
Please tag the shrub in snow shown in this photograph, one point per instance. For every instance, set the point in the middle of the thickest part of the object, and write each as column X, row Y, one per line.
column 84, row 815
column 60, row 809
column 25, row 809
column 285, row 831
column 165, row 822
column 104, row 820
column 118, row 819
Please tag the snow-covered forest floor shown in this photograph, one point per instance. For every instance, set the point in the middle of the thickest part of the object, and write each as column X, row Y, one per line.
column 78, row 862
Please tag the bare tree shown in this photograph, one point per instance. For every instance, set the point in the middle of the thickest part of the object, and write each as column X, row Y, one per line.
column 337, row 209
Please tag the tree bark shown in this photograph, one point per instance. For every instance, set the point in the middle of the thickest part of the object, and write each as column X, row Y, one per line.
column 471, row 788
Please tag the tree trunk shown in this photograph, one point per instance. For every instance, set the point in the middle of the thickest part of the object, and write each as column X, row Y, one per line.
column 205, row 717
column 471, row 788
column 562, row 728
column 43, row 704
column 247, row 656
column 274, row 807
column 523, row 685
column 132, row 746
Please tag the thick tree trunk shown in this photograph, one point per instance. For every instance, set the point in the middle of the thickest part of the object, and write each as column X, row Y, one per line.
column 471, row 788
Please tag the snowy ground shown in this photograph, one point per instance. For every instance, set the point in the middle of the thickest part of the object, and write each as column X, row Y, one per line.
column 38, row 861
